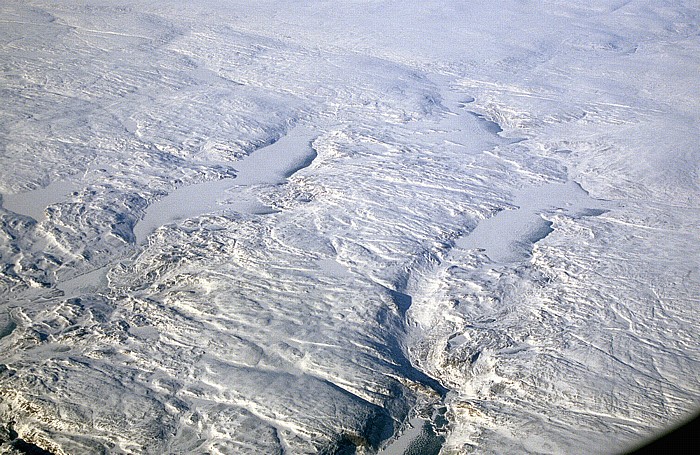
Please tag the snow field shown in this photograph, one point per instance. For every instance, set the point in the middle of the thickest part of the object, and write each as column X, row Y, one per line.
column 351, row 301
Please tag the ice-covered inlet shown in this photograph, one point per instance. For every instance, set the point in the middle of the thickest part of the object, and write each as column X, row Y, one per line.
column 494, row 249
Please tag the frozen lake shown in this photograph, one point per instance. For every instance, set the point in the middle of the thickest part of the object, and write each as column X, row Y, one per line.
column 269, row 165
column 34, row 203
column 509, row 235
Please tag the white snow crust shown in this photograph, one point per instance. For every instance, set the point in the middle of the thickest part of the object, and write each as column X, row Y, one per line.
column 357, row 226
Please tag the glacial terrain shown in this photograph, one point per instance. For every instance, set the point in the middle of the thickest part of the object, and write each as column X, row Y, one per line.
column 361, row 226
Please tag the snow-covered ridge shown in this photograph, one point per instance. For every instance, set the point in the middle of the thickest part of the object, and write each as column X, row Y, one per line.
column 359, row 303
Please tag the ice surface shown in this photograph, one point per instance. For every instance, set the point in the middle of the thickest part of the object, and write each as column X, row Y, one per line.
column 34, row 203
column 347, row 227
column 269, row 165
column 89, row 282
column 417, row 438
column 509, row 235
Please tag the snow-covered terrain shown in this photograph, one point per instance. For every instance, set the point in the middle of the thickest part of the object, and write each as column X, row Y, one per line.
column 348, row 227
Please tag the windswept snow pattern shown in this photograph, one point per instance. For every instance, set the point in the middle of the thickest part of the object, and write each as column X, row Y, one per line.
column 348, row 227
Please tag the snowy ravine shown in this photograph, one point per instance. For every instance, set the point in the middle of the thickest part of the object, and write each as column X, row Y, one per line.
column 348, row 227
